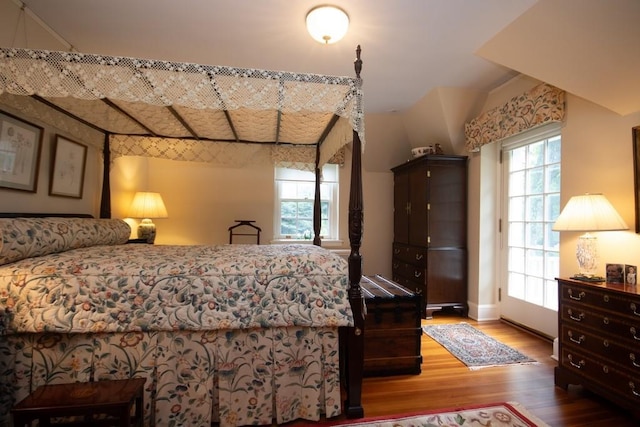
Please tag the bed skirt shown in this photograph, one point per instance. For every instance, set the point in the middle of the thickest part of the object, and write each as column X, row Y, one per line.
column 234, row 377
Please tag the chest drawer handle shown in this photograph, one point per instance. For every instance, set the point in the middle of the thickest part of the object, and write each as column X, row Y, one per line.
column 577, row 318
column 632, row 386
column 633, row 332
column 578, row 365
column 578, row 298
column 417, row 274
column 395, row 265
column 419, row 257
column 396, row 251
column 605, row 320
column 576, row 340
column 632, row 357
column 634, row 309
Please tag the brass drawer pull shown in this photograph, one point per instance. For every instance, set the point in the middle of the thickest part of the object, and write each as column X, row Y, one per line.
column 419, row 257
column 576, row 318
column 633, row 333
column 634, row 310
column 578, row 365
column 578, row 298
column 396, row 251
column 579, row 340
column 632, row 386
column 417, row 274
column 632, row 357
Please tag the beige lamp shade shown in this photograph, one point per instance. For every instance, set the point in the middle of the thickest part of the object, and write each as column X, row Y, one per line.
column 147, row 205
column 327, row 24
column 589, row 212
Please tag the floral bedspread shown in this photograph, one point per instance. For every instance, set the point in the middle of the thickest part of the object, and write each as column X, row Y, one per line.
column 140, row 287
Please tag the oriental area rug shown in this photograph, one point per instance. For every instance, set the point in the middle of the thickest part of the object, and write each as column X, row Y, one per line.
column 473, row 347
column 510, row 414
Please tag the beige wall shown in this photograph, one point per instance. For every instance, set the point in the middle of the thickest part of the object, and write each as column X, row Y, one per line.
column 597, row 157
column 204, row 201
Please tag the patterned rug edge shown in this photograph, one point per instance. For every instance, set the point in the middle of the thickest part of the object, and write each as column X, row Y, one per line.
column 420, row 418
column 525, row 360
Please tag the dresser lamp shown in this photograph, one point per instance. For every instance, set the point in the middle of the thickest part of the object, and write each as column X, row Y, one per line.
column 589, row 212
column 147, row 205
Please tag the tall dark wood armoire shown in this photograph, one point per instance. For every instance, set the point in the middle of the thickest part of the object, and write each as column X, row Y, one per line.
column 430, row 230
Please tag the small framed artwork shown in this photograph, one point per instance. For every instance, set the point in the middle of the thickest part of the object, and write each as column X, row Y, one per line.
column 615, row 273
column 20, row 147
column 67, row 168
column 630, row 272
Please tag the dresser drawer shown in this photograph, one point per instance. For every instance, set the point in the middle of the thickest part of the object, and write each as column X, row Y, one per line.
column 603, row 373
column 619, row 303
column 411, row 255
column 606, row 323
column 627, row 357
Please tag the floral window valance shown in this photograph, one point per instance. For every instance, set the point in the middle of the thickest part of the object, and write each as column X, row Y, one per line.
column 542, row 104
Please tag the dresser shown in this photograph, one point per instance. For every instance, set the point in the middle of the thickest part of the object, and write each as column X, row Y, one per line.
column 429, row 254
column 599, row 340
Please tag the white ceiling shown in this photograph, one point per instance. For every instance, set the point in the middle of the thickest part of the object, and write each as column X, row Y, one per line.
column 409, row 47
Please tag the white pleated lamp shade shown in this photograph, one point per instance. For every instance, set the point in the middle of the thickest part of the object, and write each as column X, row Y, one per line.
column 589, row 212
column 148, row 205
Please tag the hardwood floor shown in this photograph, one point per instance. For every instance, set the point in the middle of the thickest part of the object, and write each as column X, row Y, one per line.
column 445, row 382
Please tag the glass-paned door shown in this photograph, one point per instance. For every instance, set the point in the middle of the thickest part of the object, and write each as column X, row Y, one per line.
column 530, row 248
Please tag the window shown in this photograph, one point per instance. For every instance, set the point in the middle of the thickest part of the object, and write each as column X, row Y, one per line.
column 295, row 193
column 533, row 204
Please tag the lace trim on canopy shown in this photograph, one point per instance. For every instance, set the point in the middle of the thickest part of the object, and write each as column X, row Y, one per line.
column 207, row 97
column 542, row 104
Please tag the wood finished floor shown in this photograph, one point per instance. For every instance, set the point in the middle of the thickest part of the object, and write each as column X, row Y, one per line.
column 445, row 382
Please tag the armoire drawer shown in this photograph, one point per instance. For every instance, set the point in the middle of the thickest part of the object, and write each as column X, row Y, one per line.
column 411, row 255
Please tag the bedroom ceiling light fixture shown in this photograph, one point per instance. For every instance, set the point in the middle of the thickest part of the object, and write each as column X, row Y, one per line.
column 147, row 205
column 327, row 24
column 589, row 212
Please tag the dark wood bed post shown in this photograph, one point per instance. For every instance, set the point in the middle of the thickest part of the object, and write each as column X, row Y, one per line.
column 355, row 335
column 317, row 211
column 105, row 202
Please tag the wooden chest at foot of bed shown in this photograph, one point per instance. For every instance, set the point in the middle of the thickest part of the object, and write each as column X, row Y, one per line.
column 392, row 328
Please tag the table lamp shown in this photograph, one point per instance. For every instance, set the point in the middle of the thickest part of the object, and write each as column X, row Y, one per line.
column 147, row 205
column 589, row 212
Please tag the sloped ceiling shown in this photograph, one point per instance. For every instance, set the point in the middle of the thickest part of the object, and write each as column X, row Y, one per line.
column 590, row 48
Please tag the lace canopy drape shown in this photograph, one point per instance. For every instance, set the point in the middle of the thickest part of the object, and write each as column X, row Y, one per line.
column 206, row 110
column 542, row 104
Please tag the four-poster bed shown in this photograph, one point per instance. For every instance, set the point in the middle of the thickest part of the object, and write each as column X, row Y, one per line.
column 193, row 112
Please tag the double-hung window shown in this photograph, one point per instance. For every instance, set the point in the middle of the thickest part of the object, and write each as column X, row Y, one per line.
column 295, row 193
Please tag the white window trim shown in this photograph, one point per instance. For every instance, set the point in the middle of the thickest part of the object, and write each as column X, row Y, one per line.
column 334, row 214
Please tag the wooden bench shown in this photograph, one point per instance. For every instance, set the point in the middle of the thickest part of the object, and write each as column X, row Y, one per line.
column 113, row 400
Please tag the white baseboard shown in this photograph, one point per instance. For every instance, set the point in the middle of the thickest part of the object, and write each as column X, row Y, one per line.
column 483, row 312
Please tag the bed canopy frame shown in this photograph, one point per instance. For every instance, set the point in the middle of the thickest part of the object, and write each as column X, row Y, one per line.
column 187, row 111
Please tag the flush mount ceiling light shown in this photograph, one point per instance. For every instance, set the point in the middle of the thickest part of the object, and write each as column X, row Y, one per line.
column 327, row 24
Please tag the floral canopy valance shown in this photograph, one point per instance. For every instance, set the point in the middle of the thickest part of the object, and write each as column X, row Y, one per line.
column 130, row 98
column 542, row 104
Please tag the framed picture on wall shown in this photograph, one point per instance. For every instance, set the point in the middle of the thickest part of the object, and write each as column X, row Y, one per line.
column 20, row 147
column 67, row 168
